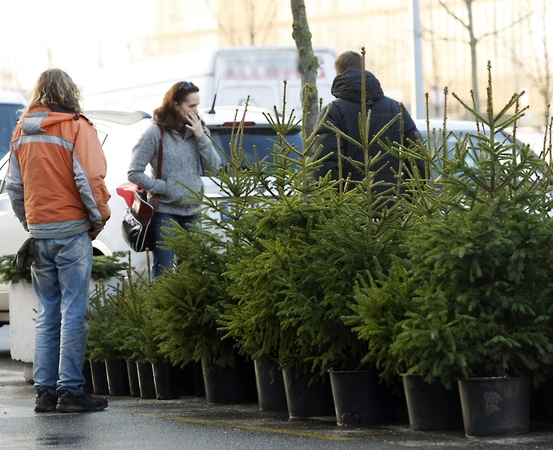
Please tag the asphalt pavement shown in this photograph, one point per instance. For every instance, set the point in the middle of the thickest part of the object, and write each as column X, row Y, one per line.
column 192, row 423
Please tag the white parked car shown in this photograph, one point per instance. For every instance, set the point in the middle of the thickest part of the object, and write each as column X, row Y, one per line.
column 118, row 133
column 454, row 128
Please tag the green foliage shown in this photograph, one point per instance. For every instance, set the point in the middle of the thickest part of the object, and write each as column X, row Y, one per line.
column 483, row 303
column 106, row 267
column 294, row 291
column 103, row 268
column 8, row 272
column 120, row 320
column 102, row 317
column 136, row 335
column 295, row 283
column 382, row 303
column 444, row 273
column 189, row 300
column 192, row 299
column 478, row 267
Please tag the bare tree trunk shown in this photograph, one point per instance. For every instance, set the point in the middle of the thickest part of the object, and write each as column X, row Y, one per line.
column 473, row 41
column 308, row 64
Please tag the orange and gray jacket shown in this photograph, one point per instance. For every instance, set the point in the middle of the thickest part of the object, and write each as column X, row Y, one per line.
column 56, row 175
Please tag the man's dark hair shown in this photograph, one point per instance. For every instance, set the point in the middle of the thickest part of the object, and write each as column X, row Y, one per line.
column 347, row 60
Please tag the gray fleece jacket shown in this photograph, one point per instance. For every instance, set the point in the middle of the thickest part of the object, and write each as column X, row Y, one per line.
column 181, row 163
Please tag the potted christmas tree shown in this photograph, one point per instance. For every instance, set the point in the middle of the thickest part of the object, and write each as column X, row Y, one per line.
column 292, row 289
column 481, row 270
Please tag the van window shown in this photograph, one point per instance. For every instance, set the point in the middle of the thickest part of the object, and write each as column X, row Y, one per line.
column 9, row 113
column 260, row 138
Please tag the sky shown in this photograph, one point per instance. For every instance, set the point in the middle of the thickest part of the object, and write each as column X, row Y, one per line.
column 79, row 36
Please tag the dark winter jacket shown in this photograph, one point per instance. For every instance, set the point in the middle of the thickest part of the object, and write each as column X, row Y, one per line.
column 345, row 112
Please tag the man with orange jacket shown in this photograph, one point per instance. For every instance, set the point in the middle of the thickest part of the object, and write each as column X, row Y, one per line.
column 57, row 190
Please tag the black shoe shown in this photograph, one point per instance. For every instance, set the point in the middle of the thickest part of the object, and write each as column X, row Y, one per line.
column 44, row 401
column 68, row 402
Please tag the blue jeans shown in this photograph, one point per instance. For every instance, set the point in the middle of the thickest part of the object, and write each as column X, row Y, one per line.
column 61, row 278
column 163, row 259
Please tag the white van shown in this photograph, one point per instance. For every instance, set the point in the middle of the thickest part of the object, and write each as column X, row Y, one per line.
column 228, row 74
column 11, row 107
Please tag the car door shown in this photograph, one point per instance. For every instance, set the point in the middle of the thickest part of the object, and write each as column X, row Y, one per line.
column 13, row 233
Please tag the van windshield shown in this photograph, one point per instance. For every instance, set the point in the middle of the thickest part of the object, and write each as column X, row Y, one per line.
column 9, row 113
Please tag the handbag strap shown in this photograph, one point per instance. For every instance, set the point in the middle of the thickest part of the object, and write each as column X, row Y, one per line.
column 159, row 160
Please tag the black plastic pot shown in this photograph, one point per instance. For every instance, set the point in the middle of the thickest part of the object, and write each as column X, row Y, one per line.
column 230, row 385
column 189, row 380
column 359, row 399
column 270, row 387
column 304, row 400
column 99, row 377
column 432, row 407
column 118, row 378
column 132, row 372
column 541, row 402
column 146, row 380
column 193, row 379
column 495, row 406
column 167, row 381
column 199, row 379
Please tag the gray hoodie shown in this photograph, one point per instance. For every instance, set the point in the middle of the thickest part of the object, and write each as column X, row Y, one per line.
column 184, row 158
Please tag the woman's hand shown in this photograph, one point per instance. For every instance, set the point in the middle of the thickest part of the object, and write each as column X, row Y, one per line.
column 194, row 124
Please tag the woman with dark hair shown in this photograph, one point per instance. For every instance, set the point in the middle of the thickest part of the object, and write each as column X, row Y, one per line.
column 187, row 151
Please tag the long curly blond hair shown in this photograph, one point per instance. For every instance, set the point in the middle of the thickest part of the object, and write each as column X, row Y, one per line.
column 55, row 86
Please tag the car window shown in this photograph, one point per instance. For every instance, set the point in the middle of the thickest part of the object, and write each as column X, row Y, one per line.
column 9, row 113
column 260, row 138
